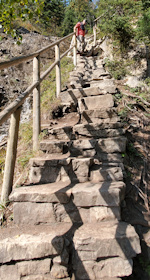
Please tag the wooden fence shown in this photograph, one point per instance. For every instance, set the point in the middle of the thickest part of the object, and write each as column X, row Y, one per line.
column 14, row 109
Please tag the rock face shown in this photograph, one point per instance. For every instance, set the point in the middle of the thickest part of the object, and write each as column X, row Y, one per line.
column 68, row 218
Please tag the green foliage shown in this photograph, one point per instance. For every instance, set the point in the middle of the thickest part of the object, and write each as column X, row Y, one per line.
column 117, row 68
column 10, row 10
column 123, row 113
column 76, row 11
column 124, row 20
column 117, row 19
column 69, row 21
column 24, row 159
column 145, row 264
column 132, row 150
column 143, row 29
column 53, row 14
column 118, row 96
column 147, row 81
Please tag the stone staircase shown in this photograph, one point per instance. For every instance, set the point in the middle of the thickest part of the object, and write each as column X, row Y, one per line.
column 67, row 220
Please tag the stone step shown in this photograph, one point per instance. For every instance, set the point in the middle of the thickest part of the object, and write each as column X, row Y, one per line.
column 100, row 174
column 95, row 102
column 35, row 252
column 54, row 146
column 103, row 269
column 98, row 120
column 64, row 202
column 99, row 73
column 60, row 133
column 95, row 130
column 104, row 250
column 102, row 84
column 30, row 213
column 72, row 95
column 42, row 252
column 73, row 169
column 100, row 130
column 105, row 85
column 48, row 170
column 95, row 116
column 85, row 147
column 76, row 83
column 105, row 145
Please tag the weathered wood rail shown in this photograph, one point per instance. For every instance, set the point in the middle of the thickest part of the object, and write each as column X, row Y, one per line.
column 14, row 109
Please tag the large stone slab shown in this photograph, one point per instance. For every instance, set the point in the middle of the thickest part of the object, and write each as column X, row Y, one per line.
column 51, row 170
column 98, row 130
column 72, row 95
column 60, row 133
column 96, row 75
column 95, row 214
column 103, row 84
column 25, row 268
column 33, row 243
column 105, row 240
column 53, row 146
column 29, row 213
column 53, row 193
column 99, row 73
column 104, row 268
column 90, row 116
column 105, row 145
column 98, row 194
column 86, row 194
column 100, row 174
column 114, row 159
column 114, row 145
column 84, row 147
column 96, row 102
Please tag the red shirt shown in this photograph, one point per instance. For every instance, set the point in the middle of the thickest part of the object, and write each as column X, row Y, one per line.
column 79, row 30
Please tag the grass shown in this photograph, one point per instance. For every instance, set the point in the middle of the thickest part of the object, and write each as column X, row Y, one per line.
column 117, row 68
column 48, row 87
column 24, row 145
column 25, row 24
column 2, row 162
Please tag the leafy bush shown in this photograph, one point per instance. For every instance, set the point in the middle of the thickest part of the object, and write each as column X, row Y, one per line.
column 118, row 69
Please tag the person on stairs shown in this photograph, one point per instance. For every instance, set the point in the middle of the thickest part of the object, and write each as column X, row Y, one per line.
column 79, row 28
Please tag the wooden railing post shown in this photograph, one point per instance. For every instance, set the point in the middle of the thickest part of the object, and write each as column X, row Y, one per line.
column 58, row 70
column 75, row 50
column 10, row 156
column 94, row 32
column 36, row 103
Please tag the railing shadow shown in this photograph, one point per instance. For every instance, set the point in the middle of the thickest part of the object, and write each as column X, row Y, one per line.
column 75, row 225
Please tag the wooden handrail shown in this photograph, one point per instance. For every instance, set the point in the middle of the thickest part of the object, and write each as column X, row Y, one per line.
column 14, row 109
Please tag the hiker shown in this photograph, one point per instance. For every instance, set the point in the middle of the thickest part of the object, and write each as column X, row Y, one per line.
column 79, row 28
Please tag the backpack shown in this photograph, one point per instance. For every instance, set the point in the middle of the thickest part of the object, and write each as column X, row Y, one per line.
column 82, row 26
